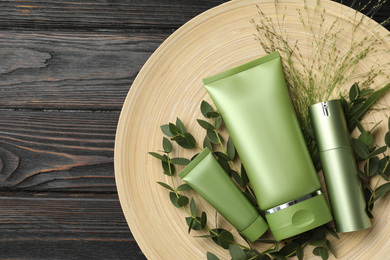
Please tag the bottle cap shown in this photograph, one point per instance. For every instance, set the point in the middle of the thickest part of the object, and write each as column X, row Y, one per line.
column 298, row 216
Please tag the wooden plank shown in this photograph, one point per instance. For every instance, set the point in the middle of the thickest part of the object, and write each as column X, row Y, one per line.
column 63, row 226
column 57, row 150
column 100, row 14
column 56, row 70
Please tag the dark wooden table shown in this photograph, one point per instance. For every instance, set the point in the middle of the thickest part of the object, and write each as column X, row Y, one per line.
column 65, row 70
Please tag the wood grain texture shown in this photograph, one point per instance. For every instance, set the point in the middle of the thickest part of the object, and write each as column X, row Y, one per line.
column 57, row 150
column 63, row 226
column 56, row 70
column 100, row 15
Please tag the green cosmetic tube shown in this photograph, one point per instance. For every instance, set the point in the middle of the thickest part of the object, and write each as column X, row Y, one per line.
column 339, row 166
column 257, row 110
column 205, row 175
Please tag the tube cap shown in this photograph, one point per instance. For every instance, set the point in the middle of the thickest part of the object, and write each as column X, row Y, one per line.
column 299, row 216
column 255, row 230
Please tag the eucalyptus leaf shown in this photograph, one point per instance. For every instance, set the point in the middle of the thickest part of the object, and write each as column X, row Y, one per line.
column 166, row 131
column 359, row 113
column 360, row 127
column 182, row 141
column 169, row 169
column 371, row 166
column 324, row 254
column 332, row 232
column 237, row 178
column 289, row 248
column 193, row 209
column 184, row 187
column 173, row 129
column 206, row 125
column 159, row 156
column 377, row 151
column 196, row 223
column 224, row 164
column 218, row 122
column 167, row 145
column 174, row 199
column 367, row 138
column 318, row 242
column 319, row 234
column 206, row 108
column 180, row 126
column 316, row 251
column 203, row 220
column 231, row 150
column 278, row 256
column 225, row 238
column 383, row 189
column 165, row 186
column 387, row 139
column 222, row 155
column 344, row 104
column 180, row 161
column 331, row 249
column 236, row 252
column 213, row 137
column 211, row 256
column 207, row 143
column 190, row 225
column 360, row 148
column 365, row 92
column 190, row 139
column 354, row 92
column 213, row 114
column 355, row 107
column 244, row 176
column 182, row 201
column 299, row 252
column 363, row 175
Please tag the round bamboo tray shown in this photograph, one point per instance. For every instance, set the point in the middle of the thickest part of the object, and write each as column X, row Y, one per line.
column 169, row 86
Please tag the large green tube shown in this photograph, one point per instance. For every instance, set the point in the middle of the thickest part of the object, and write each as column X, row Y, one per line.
column 256, row 107
column 206, row 177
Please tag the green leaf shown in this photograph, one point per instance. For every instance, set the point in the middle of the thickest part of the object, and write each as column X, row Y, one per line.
column 360, row 148
column 183, row 142
column 316, row 251
column 213, row 114
column 167, row 145
column 180, row 161
column 218, row 122
column 174, row 199
column 278, row 256
column 182, row 201
column 324, row 254
column 166, row 131
column 360, row 127
column 236, row 252
column 383, row 189
column 165, row 185
column 318, row 242
column 331, row 249
column 332, row 232
column 222, row 155
column 363, row 175
column 345, row 105
column 319, row 234
column 231, row 150
column 159, row 156
column 299, row 252
column 244, row 176
column 206, row 125
column 211, row 256
column 354, row 92
column 225, row 238
column 358, row 114
column 387, row 139
column 169, row 169
column 373, row 165
column 190, row 139
column 190, row 225
column 206, row 108
column 367, row 138
column 224, row 164
column 212, row 135
column 377, row 151
column 173, row 129
column 193, row 209
column 195, row 224
column 207, row 143
column 237, row 178
column 184, row 187
column 289, row 248
column 180, row 126
column 365, row 92
column 203, row 220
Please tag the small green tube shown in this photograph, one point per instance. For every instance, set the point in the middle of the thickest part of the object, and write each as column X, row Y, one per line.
column 257, row 110
column 206, row 177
